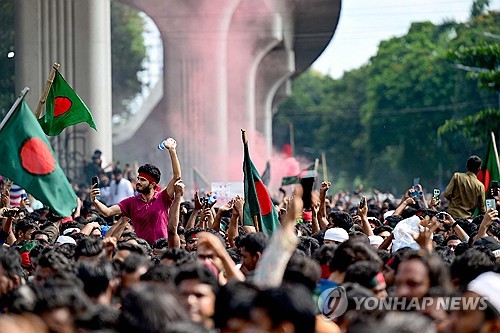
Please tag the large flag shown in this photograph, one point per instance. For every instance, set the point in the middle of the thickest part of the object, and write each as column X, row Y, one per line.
column 64, row 108
column 258, row 210
column 309, row 172
column 28, row 160
column 490, row 169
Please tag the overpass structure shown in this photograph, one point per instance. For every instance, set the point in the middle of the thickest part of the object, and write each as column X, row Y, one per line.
column 227, row 65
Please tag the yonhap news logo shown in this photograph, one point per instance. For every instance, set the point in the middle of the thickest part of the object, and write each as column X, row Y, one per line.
column 332, row 302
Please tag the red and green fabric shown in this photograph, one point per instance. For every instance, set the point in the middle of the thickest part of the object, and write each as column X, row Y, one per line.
column 489, row 170
column 308, row 172
column 258, row 205
column 28, row 160
column 64, row 108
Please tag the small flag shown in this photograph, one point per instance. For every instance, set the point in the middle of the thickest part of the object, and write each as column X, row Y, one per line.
column 258, row 210
column 200, row 182
column 266, row 175
column 309, row 172
column 28, row 159
column 490, row 169
column 64, row 108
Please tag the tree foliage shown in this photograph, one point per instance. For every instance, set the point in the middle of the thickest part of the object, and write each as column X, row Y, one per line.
column 379, row 123
column 127, row 53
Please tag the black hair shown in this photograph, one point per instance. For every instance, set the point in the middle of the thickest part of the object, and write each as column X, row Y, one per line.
column 96, row 276
column 308, row 245
column 303, row 270
column 160, row 243
column 11, row 263
column 133, row 261
column 175, row 254
column 292, row 305
column 470, row 265
column 134, row 248
column 381, row 229
column 55, row 260
column 325, row 253
column 151, row 170
column 160, row 273
column 254, row 242
column 24, row 225
column 234, row 300
column 342, row 220
column 350, row 252
column 89, row 247
column 473, row 163
column 197, row 271
column 191, row 231
column 186, row 327
column 149, row 308
column 362, row 272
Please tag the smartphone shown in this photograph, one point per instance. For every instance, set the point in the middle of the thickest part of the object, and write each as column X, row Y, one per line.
column 490, row 203
column 95, row 182
column 437, row 192
column 417, row 193
column 441, row 216
column 494, row 188
column 362, row 202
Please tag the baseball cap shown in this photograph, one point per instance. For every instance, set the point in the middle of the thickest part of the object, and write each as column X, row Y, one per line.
column 336, row 235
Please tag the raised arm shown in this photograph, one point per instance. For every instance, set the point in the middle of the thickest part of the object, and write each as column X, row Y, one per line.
column 173, row 217
column 176, row 167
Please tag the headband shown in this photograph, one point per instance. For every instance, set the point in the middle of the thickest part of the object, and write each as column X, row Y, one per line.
column 148, row 177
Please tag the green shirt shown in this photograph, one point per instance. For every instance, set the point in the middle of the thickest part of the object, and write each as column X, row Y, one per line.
column 466, row 193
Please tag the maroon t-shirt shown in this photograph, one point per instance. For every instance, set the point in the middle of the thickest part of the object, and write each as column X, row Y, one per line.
column 150, row 219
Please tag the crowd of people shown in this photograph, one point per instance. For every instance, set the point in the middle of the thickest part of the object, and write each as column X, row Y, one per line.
column 135, row 257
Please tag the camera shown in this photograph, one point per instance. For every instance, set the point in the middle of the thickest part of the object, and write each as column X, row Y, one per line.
column 11, row 212
column 208, row 200
column 441, row 216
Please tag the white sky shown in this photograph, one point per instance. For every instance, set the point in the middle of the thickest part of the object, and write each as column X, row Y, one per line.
column 364, row 23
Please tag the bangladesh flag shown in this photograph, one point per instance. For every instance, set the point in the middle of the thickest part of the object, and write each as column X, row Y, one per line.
column 490, row 169
column 258, row 209
column 309, row 172
column 64, row 108
column 28, row 159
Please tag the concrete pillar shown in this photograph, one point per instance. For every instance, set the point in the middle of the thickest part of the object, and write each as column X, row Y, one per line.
column 194, row 34
column 92, row 33
column 75, row 34
column 274, row 70
column 253, row 32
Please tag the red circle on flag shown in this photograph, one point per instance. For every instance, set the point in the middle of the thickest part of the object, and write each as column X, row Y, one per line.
column 36, row 157
column 61, row 105
column 265, row 202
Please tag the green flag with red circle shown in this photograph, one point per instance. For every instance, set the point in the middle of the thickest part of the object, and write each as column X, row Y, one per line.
column 64, row 108
column 28, row 160
column 490, row 168
column 258, row 210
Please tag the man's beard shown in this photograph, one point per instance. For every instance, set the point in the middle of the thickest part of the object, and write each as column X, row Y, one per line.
column 146, row 190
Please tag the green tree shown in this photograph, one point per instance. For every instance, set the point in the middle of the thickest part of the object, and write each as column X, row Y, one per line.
column 127, row 53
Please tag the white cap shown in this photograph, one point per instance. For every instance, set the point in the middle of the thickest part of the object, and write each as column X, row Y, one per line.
column 375, row 240
column 487, row 285
column 336, row 235
column 388, row 213
column 65, row 240
column 70, row 231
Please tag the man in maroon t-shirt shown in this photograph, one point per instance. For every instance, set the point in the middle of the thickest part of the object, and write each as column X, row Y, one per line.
column 149, row 209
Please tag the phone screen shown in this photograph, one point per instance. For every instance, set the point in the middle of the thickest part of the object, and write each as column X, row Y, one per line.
column 490, row 203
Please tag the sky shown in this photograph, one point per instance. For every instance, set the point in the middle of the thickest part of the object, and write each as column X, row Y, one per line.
column 364, row 23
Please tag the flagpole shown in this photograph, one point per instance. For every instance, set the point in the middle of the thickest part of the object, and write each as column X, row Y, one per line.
column 495, row 149
column 48, row 84
column 323, row 162
column 14, row 107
